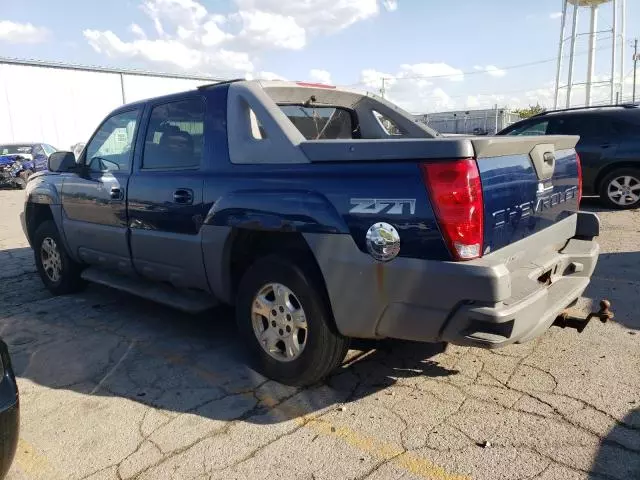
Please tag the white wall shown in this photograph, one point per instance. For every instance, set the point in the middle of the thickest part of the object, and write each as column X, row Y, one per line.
column 62, row 107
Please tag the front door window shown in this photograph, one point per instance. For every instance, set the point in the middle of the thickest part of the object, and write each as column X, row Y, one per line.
column 111, row 147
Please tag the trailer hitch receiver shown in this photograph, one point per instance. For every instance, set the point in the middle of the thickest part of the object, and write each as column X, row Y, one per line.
column 568, row 318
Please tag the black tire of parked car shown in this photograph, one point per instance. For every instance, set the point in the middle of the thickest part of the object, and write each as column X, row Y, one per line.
column 70, row 280
column 325, row 346
column 606, row 182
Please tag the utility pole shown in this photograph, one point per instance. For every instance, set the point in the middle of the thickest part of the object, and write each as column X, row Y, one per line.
column 124, row 97
column 636, row 57
column 382, row 90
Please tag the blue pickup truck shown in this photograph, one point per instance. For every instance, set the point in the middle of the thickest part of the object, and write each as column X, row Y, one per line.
column 323, row 215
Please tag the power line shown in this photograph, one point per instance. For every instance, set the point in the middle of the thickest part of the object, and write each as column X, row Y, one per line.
column 479, row 72
column 532, row 90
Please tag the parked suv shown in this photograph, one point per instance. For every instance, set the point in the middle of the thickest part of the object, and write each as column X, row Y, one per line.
column 609, row 147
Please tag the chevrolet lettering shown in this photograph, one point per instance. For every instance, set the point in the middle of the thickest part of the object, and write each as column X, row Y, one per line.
column 524, row 210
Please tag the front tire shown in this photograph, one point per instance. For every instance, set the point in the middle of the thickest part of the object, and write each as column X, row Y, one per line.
column 286, row 322
column 59, row 273
column 620, row 189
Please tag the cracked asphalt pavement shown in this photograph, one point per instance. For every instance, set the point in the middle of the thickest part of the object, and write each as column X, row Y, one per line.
column 115, row 387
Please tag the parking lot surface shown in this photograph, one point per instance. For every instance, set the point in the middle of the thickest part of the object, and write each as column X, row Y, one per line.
column 115, row 387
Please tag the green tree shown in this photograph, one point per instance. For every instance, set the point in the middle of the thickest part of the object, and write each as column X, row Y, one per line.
column 531, row 111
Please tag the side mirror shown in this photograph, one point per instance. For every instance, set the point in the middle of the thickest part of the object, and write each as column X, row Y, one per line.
column 62, row 162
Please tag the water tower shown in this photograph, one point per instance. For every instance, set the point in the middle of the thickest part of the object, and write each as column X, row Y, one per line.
column 617, row 30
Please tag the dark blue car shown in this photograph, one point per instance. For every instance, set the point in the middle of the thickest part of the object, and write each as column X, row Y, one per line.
column 19, row 161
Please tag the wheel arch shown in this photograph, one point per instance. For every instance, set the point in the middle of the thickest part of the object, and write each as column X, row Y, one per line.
column 43, row 204
column 611, row 168
column 245, row 224
column 247, row 246
column 35, row 214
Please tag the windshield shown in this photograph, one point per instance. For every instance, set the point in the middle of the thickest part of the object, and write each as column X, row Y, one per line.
column 15, row 149
column 320, row 122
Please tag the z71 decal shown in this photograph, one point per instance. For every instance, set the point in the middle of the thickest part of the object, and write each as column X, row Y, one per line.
column 390, row 206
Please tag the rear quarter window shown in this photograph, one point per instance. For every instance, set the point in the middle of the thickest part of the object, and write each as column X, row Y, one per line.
column 626, row 127
column 318, row 123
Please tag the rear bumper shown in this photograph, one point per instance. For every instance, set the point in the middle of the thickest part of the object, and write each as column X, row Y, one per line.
column 519, row 320
column 509, row 296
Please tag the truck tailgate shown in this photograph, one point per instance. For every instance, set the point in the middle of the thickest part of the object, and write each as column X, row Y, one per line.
column 528, row 184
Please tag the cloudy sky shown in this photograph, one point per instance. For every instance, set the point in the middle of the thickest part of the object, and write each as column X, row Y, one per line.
column 433, row 55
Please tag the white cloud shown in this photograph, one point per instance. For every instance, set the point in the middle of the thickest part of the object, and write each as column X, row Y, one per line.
column 267, row 29
column 426, row 95
column 189, row 14
column 13, row 32
column 321, row 76
column 188, row 36
column 555, row 15
column 495, row 71
column 390, row 5
column 317, row 15
column 372, row 80
column 170, row 52
column 266, row 76
column 431, row 70
column 491, row 70
column 413, row 86
column 137, row 30
column 440, row 99
column 213, row 34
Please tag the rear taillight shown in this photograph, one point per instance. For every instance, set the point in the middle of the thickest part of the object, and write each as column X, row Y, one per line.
column 456, row 194
column 579, row 178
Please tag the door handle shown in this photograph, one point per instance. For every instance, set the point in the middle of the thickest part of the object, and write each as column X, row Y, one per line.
column 605, row 145
column 117, row 193
column 183, row 195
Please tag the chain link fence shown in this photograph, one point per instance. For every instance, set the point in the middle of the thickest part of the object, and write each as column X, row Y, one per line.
column 469, row 122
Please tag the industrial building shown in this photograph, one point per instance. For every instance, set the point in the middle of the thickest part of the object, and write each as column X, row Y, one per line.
column 63, row 104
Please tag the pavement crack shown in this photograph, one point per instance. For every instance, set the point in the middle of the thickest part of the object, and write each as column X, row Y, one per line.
column 379, row 465
column 592, row 475
column 114, row 368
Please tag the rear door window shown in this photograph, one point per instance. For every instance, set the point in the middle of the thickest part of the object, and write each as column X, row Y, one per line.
column 626, row 128
column 587, row 126
column 175, row 136
column 531, row 128
column 320, row 123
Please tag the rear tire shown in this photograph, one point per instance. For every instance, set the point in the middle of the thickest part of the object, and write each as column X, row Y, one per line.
column 59, row 273
column 620, row 189
column 283, row 305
